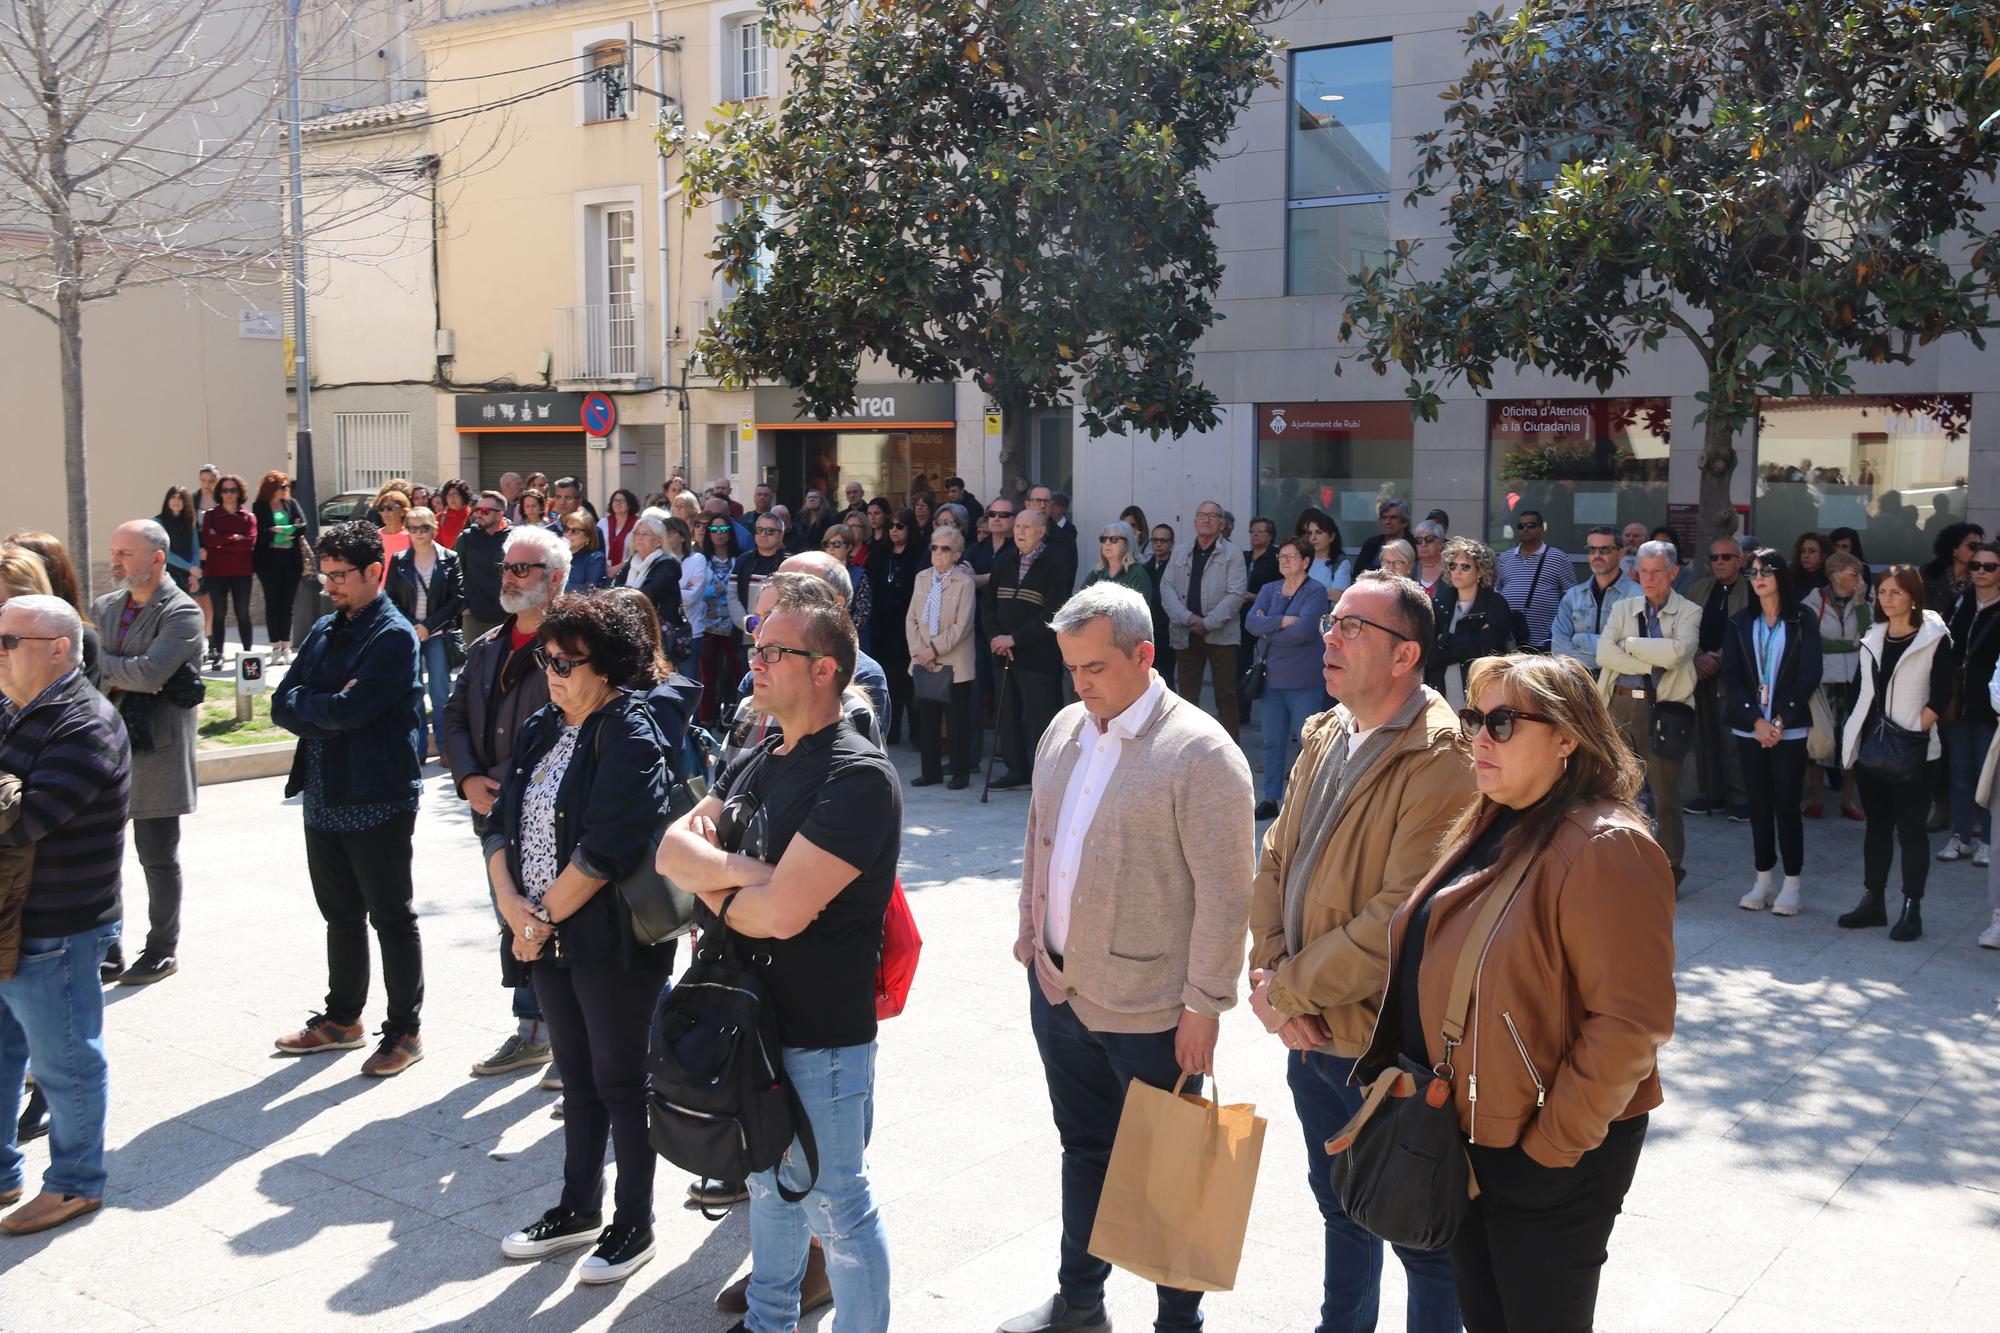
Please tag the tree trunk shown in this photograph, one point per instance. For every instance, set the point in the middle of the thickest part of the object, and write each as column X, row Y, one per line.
column 69, row 331
column 1718, row 468
column 1017, row 430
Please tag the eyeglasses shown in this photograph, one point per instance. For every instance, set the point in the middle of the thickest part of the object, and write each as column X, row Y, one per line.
column 1460, row 566
column 1208, row 513
column 230, row 490
column 562, row 666
column 567, row 527
column 770, row 654
column 484, row 509
column 393, row 508
column 10, row 642
column 1499, row 723
column 1983, row 566
column 946, row 547
column 1530, row 526
column 1351, row 626
column 1110, row 537
column 832, row 542
column 1429, row 541
column 999, row 513
column 763, row 531
column 1771, row 571
column 1602, row 550
column 425, row 527
column 1721, row 557
column 520, row 569
column 898, row 527
column 329, row 576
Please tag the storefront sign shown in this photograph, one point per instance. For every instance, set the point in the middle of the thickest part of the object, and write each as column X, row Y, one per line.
column 893, row 404
column 1542, row 418
column 1375, row 421
column 526, row 409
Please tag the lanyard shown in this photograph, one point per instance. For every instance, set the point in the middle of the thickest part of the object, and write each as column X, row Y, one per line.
column 1761, row 636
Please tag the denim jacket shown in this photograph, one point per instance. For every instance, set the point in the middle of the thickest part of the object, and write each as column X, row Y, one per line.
column 1578, row 622
column 370, row 730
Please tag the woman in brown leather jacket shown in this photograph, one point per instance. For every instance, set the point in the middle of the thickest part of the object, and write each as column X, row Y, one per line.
column 1572, row 1000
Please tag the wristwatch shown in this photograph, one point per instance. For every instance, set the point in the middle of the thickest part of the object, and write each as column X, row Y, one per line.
column 541, row 914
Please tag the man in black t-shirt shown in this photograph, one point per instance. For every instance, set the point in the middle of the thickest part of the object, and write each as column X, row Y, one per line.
column 815, row 821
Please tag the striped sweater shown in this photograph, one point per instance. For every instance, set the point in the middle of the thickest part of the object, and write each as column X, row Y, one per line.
column 69, row 747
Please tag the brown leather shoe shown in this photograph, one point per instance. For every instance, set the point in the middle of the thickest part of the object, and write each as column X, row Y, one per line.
column 815, row 1291
column 322, row 1034
column 46, row 1210
column 397, row 1052
column 11, row 1197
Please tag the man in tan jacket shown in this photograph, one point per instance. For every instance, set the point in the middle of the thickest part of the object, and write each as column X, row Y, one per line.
column 1379, row 779
column 1134, row 896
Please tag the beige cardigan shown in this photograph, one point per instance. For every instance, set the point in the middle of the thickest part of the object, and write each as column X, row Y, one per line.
column 953, row 642
column 1159, row 919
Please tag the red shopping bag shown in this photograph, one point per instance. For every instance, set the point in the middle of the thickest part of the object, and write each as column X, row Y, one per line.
column 900, row 946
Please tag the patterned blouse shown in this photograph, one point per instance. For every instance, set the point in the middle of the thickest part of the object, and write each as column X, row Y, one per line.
column 538, row 816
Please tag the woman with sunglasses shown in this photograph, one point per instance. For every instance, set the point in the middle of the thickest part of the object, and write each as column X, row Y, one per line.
column 1770, row 668
column 893, row 565
column 840, row 542
column 1472, row 617
column 576, row 813
column 394, row 511
column 681, row 545
column 1907, row 669
column 938, row 634
column 587, row 568
column 1974, row 622
column 1572, row 997
column 1120, row 561
column 1430, row 538
column 426, row 584
column 720, row 660
column 228, row 552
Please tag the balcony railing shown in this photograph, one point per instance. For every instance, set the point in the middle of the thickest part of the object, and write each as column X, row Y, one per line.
column 600, row 342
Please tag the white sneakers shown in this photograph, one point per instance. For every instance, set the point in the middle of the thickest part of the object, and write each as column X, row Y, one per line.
column 1990, row 937
column 1759, row 897
column 1954, row 849
column 1982, row 855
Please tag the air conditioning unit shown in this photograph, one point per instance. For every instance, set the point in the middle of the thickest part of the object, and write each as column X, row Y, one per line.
column 447, row 344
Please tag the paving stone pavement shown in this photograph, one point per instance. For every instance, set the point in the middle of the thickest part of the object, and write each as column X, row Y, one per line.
column 1828, row 1156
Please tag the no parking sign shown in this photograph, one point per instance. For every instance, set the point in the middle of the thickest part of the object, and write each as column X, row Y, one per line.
column 600, row 415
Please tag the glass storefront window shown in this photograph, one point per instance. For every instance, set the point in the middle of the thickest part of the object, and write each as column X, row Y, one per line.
column 1579, row 462
column 1336, row 202
column 1893, row 468
column 1344, row 458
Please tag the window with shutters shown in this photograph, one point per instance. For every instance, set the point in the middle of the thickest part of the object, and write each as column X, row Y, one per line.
column 749, row 59
column 609, row 92
column 369, row 448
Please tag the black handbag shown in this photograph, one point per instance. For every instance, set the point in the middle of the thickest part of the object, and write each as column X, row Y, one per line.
column 660, row 909
column 1257, row 676
column 932, row 685
column 1671, row 728
column 1890, row 751
column 1400, row 1165
column 454, row 647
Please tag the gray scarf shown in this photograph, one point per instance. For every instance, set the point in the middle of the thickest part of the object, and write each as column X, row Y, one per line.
column 1335, row 779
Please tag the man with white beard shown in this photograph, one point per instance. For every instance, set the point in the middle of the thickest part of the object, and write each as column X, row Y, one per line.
column 498, row 689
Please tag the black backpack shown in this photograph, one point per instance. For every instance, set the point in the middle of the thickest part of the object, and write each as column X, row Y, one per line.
column 718, row 1101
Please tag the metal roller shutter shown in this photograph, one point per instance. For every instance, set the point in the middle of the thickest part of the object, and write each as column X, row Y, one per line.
column 560, row 453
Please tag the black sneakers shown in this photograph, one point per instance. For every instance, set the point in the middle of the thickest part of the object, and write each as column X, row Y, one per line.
column 150, row 968
column 557, row 1230
column 717, row 1193
column 621, row 1252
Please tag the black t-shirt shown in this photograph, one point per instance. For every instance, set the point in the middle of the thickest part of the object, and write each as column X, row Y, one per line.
column 1484, row 850
column 837, row 790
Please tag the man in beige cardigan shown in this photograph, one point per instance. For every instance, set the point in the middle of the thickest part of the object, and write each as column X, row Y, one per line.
column 1135, row 895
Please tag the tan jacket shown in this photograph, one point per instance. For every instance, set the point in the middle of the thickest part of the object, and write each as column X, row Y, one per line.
column 1573, row 997
column 17, row 867
column 1385, row 842
column 953, row 641
column 1624, row 650
column 1156, row 922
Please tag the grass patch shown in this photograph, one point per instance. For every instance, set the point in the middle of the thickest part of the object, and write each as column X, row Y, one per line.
column 218, row 727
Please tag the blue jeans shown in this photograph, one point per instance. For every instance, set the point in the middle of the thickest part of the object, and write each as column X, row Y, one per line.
column 1088, row 1073
column 1353, row 1297
column 1966, row 745
column 52, row 1019
column 837, row 1088
column 434, row 670
column 1285, row 714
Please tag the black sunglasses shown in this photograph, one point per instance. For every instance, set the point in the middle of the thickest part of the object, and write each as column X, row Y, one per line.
column 1499, row 723
column 562, row 666
column 1983, row 566
column 10, row 642
column 520, row 569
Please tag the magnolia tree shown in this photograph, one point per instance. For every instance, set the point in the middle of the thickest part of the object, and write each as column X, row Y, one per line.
column 1006, row 190
column 1790, row 187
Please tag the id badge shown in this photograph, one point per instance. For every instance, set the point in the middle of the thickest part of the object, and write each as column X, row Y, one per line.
column 1763, row 695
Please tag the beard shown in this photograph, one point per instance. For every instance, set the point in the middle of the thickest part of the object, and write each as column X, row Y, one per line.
column 514, row 603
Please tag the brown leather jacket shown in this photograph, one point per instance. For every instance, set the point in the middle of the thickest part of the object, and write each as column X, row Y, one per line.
column 17, row 867
column 1574, row 995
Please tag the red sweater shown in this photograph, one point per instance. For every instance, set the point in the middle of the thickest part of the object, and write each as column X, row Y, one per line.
column 226, row 543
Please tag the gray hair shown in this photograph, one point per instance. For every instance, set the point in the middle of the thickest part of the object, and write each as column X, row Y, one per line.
column 1430, row 527
column 826, row 569
column 1731, row 538
column 1131, row 619
column 1118, row 527
column 1402, row 548
column 1401, row 506
column 950, row 534
column 54, row 617
column 961, row 516
column 654, row 520
column 153, row 534
column 550, row 549
column 1660, row 551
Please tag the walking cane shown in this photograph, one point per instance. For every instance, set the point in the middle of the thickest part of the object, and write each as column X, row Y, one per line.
column 999, row 721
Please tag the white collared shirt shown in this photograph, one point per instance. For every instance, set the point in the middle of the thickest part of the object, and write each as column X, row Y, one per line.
column 1100, row 747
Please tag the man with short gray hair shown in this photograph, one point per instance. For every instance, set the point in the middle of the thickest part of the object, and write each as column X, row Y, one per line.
column 1139, row 847
column 150, row 634
column 67, row 745
column 1647, row 654
column 1394, row 516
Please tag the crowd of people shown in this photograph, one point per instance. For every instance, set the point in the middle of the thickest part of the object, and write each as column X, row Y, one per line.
column 1449, row 731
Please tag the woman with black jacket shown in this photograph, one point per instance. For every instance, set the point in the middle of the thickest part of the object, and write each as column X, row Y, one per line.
column 1472, row 617
column 427, row 584
column 1770, row 668
column 278, row 559
column 893, row 566
column 576, row 813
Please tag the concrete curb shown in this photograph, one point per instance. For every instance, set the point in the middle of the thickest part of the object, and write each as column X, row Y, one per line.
column 244, row 761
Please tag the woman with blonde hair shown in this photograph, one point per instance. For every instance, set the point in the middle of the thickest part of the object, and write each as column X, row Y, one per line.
column 1552, row 883
column 393, row 509
column 1399, row 557
column 1472, row 618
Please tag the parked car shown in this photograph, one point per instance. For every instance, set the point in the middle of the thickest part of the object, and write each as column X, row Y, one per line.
column 346, row 505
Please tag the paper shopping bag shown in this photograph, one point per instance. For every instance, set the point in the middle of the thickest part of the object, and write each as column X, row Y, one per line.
column 1176, row 1199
